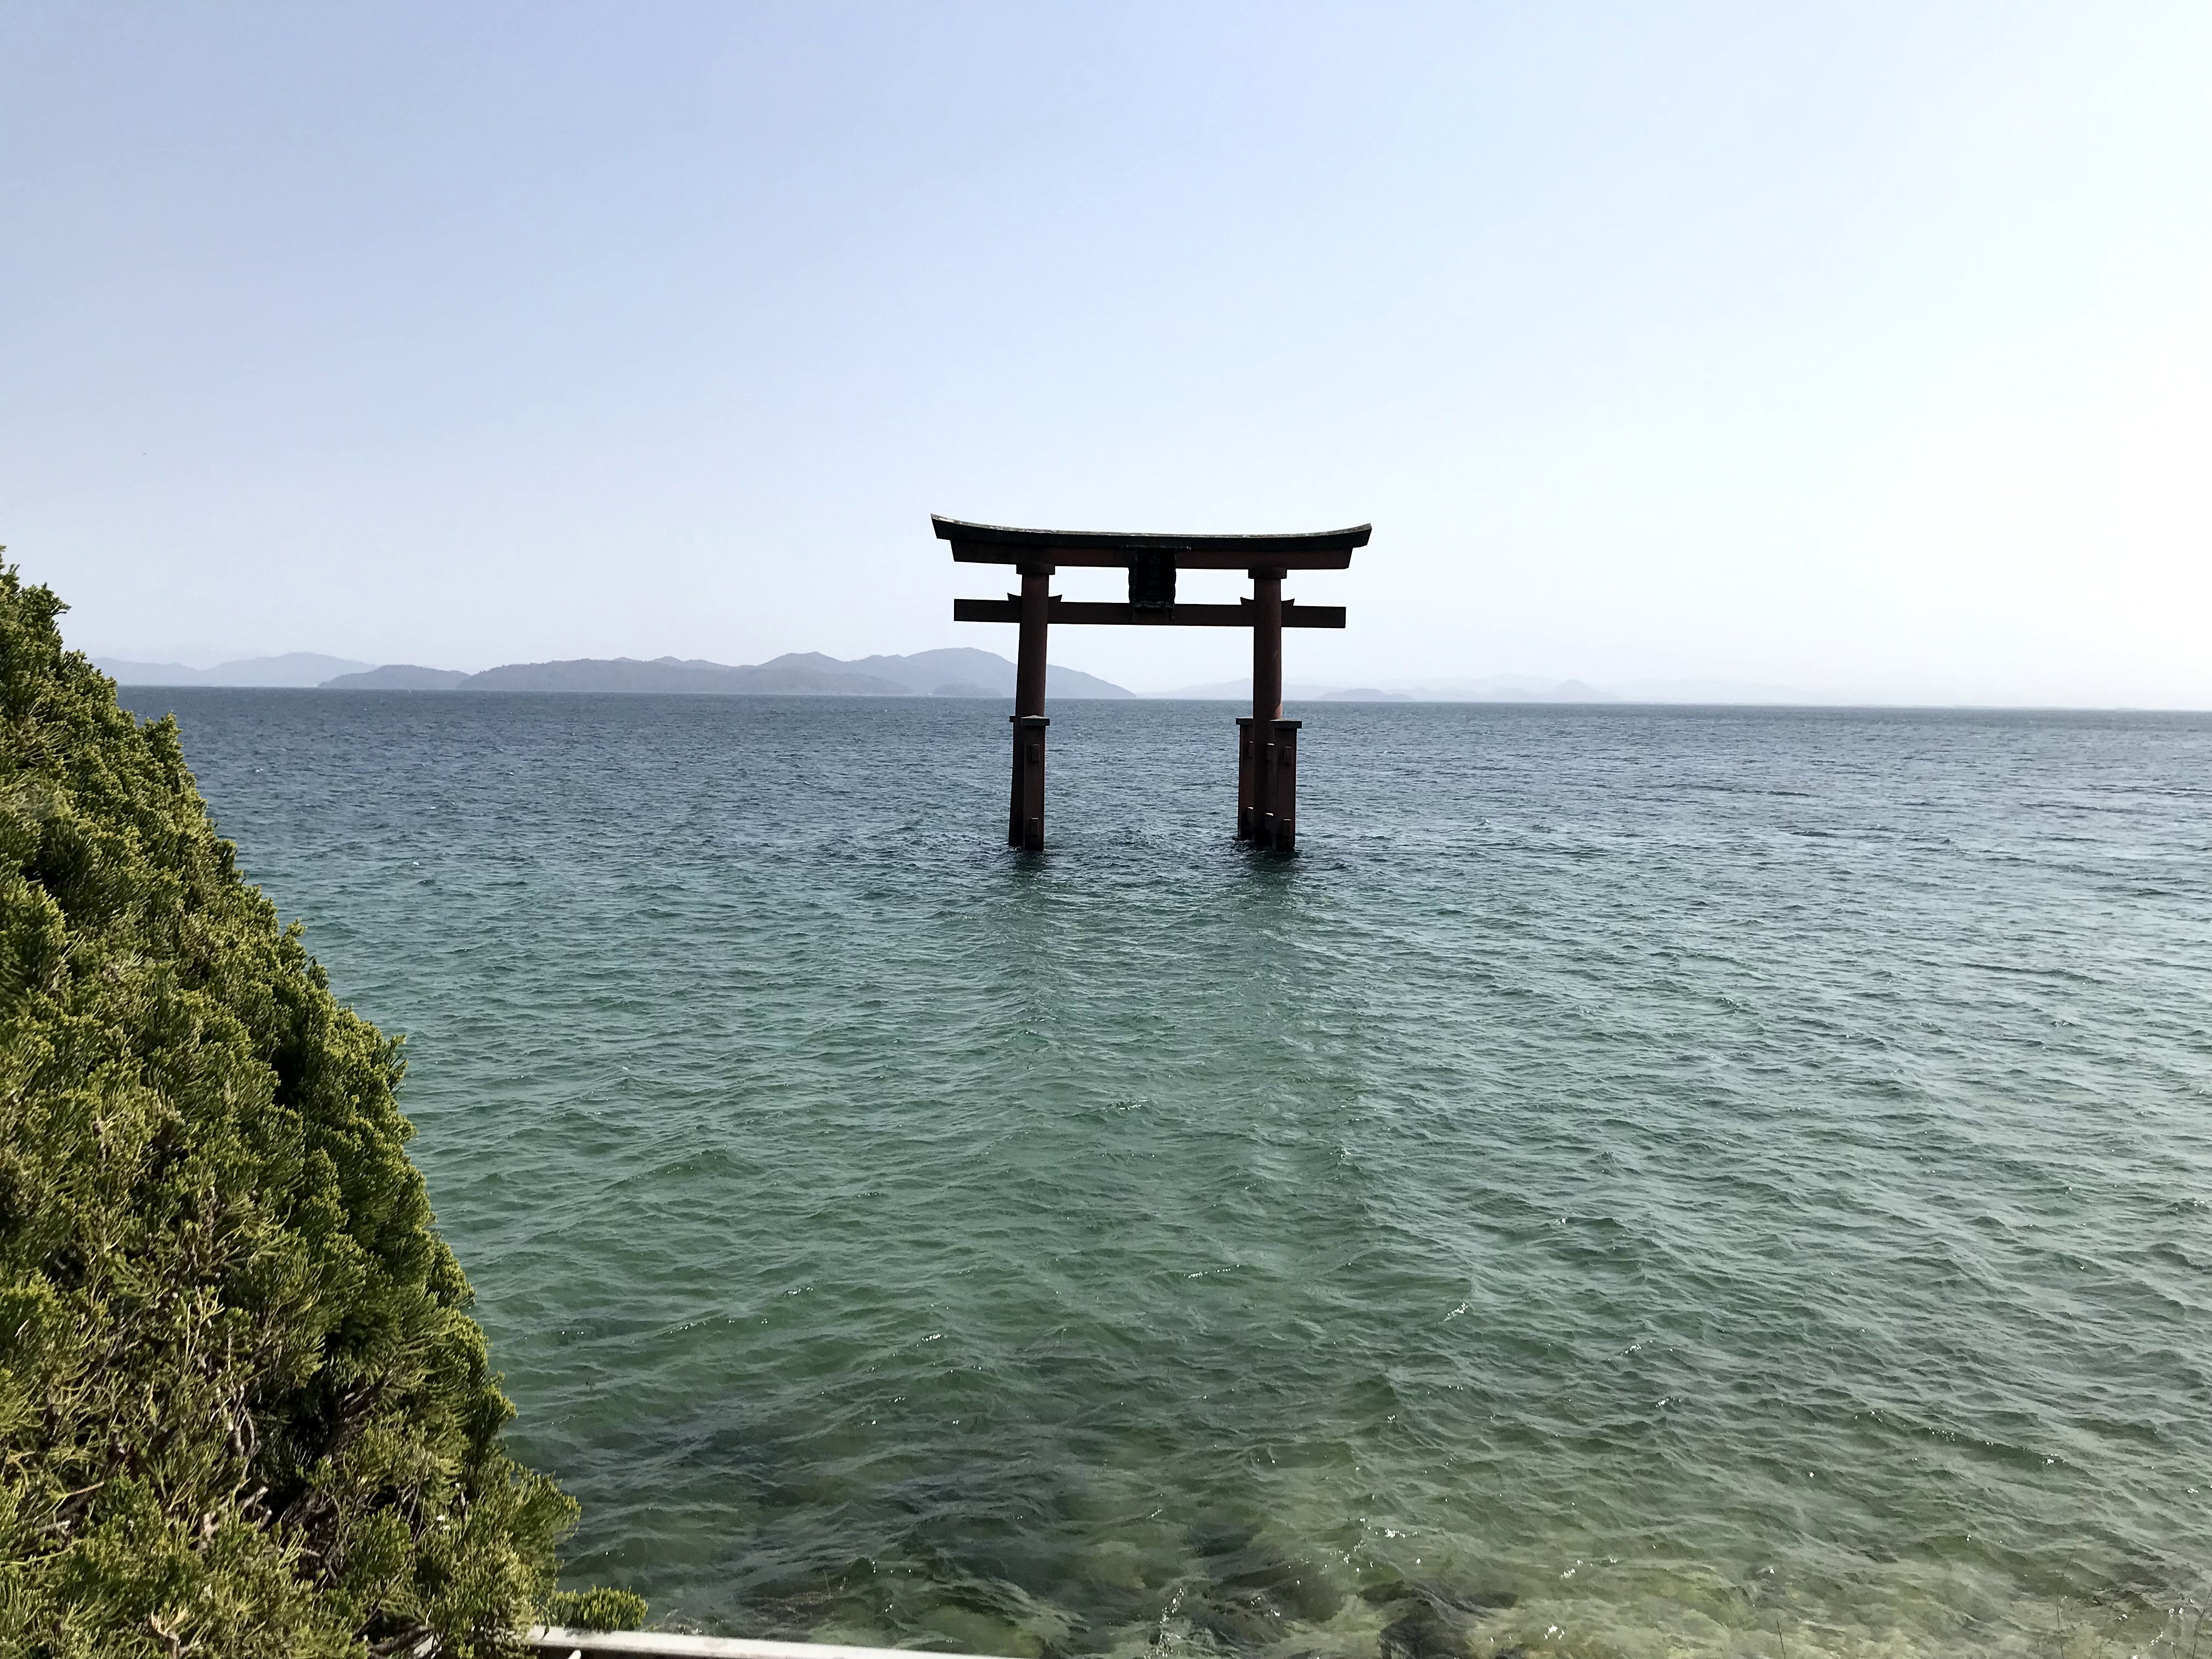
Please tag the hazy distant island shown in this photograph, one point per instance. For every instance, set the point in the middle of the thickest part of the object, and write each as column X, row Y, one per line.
column 955, row 673
column 293, row 669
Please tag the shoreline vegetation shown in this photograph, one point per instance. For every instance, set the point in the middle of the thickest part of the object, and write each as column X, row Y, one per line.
column 244, row 1408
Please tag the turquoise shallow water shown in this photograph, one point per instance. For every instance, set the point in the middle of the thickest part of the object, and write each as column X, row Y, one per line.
column 1722, row 1182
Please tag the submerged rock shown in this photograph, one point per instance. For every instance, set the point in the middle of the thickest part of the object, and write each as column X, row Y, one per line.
column 1214, row 1535
column 1246, row 1571
column 1387, row 1592
column 981, row 1633
column 1237, row 1622
column 1423, row 1634
column 1117, row 1565
column 1474, row 1600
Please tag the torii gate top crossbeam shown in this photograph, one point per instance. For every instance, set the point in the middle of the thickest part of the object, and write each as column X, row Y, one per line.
column 996, row 544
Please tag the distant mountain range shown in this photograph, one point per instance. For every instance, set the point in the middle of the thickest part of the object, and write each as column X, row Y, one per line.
column 1522, row 688
column 1499, row 688
column 957, row 673
column 293, row 668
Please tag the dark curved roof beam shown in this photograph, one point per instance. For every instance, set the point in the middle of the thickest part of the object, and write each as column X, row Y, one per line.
column 997, row 543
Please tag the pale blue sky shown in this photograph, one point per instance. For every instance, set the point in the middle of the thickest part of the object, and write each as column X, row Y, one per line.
column 1858, row 347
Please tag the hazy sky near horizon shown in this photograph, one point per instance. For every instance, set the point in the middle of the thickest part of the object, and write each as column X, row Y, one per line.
column 1863, row 349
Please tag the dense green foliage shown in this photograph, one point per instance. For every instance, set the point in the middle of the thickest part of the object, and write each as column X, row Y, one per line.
column 243, row 1408
column 596, row 1609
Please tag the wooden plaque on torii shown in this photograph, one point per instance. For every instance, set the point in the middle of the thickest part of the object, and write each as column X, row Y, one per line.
column 1267, row 744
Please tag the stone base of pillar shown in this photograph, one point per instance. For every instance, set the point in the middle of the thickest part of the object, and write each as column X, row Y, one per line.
column 1025, row 810
column 1267, row 784
column 1244, row 778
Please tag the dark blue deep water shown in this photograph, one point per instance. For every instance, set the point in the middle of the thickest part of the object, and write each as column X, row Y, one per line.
column 1725, row 1182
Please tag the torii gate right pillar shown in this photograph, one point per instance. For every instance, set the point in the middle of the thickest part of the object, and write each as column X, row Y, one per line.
column 1267, row 744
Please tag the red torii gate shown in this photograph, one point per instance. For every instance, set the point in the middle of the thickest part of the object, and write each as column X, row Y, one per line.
column 1267, row 744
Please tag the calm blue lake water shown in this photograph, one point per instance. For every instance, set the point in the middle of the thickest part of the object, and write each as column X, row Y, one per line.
column 1725, row 1182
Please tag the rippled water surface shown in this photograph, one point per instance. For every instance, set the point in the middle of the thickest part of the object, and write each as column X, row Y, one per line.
column 1640, row 1182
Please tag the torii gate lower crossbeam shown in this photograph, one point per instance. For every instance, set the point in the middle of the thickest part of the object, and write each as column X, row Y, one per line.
column 1267, row 748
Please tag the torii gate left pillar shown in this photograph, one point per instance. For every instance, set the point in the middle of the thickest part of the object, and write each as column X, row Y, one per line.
column 1267, row 744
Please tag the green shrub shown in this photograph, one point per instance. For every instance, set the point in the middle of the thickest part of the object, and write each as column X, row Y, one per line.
column 244, row 1411
column 596, row 1609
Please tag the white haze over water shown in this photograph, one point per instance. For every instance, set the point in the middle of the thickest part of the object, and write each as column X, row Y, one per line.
column 1860, row 350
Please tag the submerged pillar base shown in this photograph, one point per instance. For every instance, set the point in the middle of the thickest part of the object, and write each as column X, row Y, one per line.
column 1267, row 783
column 1025, row 812
column 1244, row 778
